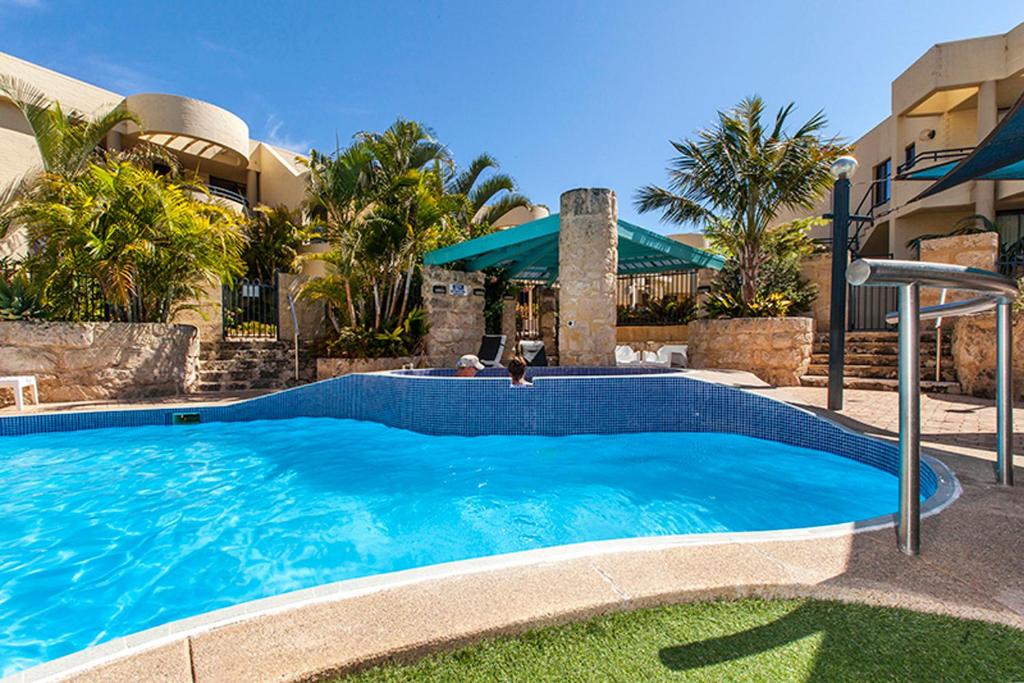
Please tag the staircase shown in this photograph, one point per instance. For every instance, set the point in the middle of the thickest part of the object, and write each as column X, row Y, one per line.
column 872, row 362
column 251, row 364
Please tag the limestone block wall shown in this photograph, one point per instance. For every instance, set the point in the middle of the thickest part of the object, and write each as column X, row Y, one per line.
column 777, row 350
column 508, row 327
column 976, row 251
column 974, row 354
column 326, row 368
column 817, row 269
column 311, row 315
column 547, row 306
column 588, row 258
column 207, row 315
column 87, row 361
column 456, row 322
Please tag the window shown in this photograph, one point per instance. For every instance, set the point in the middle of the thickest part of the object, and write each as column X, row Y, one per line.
column 230, row 186
column 910, row 153
column 882, row 182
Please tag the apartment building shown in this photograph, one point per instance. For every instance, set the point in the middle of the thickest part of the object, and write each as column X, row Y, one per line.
column 941, row 107
column 206, row 139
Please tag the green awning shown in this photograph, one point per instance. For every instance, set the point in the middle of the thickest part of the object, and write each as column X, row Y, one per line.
column 530, row 252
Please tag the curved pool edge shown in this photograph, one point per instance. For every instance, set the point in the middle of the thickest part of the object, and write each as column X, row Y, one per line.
column 124, row 650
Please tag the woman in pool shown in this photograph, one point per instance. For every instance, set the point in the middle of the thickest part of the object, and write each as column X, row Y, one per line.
column 517, row 371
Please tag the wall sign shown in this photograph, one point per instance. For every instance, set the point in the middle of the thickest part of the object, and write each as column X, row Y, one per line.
column 479, row 291
column 458, row 289
column 439, row 289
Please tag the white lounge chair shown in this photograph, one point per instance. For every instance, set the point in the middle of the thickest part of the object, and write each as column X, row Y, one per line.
column 625, row 355
column 17, row 383
column 655, row 360
column 675, row 354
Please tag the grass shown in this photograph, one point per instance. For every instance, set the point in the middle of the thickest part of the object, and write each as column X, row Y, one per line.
column 748, row 640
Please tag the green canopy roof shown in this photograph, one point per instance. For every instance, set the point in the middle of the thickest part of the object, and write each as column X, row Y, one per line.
column 530, row 252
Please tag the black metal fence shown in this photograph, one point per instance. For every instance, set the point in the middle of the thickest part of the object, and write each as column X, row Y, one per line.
column 250, row 309
column 868, row 307
column 656, row 299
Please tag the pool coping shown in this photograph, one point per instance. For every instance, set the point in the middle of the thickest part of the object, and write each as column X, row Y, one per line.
column 948, row 490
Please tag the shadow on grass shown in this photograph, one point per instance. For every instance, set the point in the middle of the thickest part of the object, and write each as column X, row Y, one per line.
column 857, row 642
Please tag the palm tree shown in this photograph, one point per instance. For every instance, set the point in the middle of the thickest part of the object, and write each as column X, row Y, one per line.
column 67, row 141
column 736, row 177
column 484, row 203
column 143, row 240
column 273, row 237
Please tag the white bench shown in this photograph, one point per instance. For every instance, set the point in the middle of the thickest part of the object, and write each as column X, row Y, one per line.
column 19, row 382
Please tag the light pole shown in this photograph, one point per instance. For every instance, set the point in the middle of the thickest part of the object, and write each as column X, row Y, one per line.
column 842, row 170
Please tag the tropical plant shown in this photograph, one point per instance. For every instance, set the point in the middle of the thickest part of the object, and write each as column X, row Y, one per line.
column 668, row 310
column 383, row 202
column 272, row 240
column 488, row 198
column 67, row 141
column 20, row 299
column 736, row 176
column 786, row 245
column 143, row 242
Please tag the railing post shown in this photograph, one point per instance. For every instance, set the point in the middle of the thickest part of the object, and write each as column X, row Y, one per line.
column 837, row 308
column 1004, row 392
column 908, row 525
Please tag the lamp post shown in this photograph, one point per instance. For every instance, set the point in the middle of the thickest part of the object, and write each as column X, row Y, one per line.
column 842, row 170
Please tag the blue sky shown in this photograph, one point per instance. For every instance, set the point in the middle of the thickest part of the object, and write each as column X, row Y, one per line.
column 564, row 94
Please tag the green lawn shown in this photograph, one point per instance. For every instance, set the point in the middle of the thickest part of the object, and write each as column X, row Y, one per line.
column 749, row 640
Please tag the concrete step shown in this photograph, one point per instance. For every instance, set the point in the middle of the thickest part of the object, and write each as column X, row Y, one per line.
column 873, row 384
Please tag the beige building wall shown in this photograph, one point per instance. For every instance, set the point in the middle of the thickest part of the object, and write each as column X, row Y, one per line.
column 951, row 97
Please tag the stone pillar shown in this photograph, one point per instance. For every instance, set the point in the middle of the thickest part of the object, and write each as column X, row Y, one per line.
column 817, row 269
column 208, row 314
column 311, row 316
column 252, row 187
column 588, row 259
column 985, row 190
column 547, row 308
column 454, row 302
column 508, row 327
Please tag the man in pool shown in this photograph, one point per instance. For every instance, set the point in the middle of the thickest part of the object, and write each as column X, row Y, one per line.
column 517, row 371
column 468, row 366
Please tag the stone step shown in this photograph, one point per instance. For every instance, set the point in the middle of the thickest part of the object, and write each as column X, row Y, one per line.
column 818, row 358
column 245, row 363
column 883, row 348
column 873, row 384
column 881, row 372
column 926, row 335
column 218, row 354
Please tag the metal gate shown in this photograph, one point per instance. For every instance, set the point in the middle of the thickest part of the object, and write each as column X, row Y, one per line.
column 868, row 306
column 250, row 309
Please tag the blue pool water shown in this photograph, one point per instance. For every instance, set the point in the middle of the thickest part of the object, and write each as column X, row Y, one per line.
column 111, row 531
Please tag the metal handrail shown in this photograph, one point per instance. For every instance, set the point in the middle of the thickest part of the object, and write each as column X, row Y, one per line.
column 995, row 291
column 933, row 155
column 295, row 333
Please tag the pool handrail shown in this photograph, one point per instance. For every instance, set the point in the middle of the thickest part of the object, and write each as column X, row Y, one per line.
column 995, row 291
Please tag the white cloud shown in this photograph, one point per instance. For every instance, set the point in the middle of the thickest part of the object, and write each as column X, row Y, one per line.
column 273, row 134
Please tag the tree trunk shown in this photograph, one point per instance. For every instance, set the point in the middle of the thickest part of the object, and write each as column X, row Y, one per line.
column 749, row 267
column 376, row 306
column 351, row 306
column 408, row 284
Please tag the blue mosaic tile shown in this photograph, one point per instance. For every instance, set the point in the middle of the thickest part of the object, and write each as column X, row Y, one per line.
column 561, row 401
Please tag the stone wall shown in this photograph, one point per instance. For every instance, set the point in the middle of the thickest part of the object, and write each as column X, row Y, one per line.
column 588, row 258
column 88, row 361
column 456, row 322
column 208, row 314
column 976, row 251
column 817, row 269
column 312, row 316
column 974, row 354
column 508, row 327
column 547, row 309
column 777, row 350
column 326, row 368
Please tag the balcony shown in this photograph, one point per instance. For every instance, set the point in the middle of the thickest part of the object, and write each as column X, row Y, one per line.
column 192, row 127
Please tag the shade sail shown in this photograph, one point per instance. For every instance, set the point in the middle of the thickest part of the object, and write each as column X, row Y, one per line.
column 530, row 252
column 1000, row 156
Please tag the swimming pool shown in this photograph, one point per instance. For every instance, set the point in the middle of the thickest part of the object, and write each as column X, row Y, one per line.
column 112, row 529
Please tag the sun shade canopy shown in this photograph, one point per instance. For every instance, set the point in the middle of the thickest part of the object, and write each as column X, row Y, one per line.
column 530, row 252
column 1000, row 156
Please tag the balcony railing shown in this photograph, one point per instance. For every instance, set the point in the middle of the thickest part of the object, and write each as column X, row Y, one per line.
column 230, row 195
column 936, row 156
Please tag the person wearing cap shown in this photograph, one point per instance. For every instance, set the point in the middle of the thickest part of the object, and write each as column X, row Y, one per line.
column 468, row 366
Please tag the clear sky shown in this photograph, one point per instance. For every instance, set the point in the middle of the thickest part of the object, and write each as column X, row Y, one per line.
column 564, row 94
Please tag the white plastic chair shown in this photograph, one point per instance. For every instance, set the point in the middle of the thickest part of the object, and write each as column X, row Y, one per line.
column 655, row 360
column 625, row 355
column 674, row 354
column 19, row 382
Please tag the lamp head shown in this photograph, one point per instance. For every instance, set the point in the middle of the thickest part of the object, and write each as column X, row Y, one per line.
column 843, row 167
